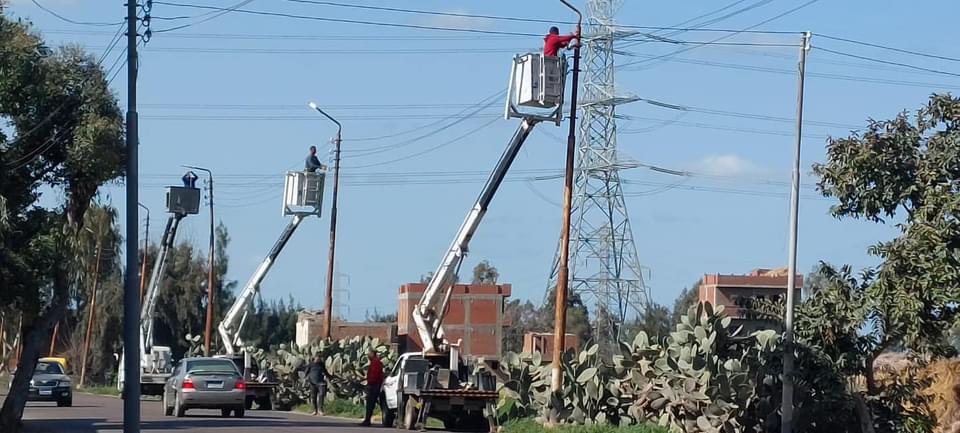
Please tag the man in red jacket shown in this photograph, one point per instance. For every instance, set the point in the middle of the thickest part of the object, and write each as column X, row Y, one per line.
column 374, row 384
column 553, row 42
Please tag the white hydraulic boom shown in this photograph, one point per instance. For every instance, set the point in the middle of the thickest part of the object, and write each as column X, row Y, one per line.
column 153, row 292
column 429, row 312
column 303, row 196
column 236, row 316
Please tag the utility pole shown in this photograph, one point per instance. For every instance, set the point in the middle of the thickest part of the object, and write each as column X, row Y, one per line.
column 91, row 315
column 786, row 420
column 560, row 321
column 146, row 239
column 53, row 339
column 328, row 299
column 210, row 280
column 131, row 298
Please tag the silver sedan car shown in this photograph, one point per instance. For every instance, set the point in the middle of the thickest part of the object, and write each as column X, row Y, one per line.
column 204, row 383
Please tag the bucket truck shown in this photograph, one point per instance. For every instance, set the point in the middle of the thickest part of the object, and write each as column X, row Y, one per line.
column 156, row 362
column 437, row 382
column 303, row 196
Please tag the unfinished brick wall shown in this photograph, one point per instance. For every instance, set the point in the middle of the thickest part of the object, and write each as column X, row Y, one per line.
column 475, row 316
column 310, row 327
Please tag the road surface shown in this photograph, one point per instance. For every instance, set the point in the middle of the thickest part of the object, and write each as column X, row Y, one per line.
column 97, row 414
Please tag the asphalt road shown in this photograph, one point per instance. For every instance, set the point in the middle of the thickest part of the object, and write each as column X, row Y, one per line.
column 95, row 414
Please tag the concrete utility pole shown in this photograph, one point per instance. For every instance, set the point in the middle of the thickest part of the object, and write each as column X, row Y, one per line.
column 560, row 321
column 146, row 245
column 131, row 298
column 211, row 296
column 786, row 420
column 328, row 299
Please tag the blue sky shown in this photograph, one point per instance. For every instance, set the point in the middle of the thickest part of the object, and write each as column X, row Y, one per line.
column 230, row 94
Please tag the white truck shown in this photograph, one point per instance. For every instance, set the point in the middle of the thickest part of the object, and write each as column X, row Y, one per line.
column 437, row 382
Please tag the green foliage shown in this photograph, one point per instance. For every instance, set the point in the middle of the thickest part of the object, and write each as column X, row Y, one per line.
column 485, row 273
column 688, row 297
column 701, row 378
column 531, row 426
column 271, row 324
column 346, row 360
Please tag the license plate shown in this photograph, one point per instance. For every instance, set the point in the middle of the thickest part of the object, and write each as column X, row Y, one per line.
column 215, row 385
column 46, row 392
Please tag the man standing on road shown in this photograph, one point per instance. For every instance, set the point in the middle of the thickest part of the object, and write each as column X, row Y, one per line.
column 374, row 384
column 317, row 380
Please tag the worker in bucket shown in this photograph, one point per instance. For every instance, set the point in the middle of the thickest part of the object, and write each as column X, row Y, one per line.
column 313, row 163
column 553, row 41
column 190, row 180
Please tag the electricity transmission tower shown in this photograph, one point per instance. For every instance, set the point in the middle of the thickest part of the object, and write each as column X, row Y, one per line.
column 604, row 267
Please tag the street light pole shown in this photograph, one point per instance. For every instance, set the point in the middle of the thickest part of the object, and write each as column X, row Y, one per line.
column 328, row 300
column 146, row 240
column 210, row 280
column 560, row 320
column 786, row 420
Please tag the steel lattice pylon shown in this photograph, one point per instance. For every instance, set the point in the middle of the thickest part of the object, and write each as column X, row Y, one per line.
column 604, row 267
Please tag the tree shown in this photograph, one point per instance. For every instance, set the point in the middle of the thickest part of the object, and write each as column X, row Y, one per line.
column 814, row 281
column 655, row 321
column 909, row 169
column 688, row 297
column 520, row 317
column 485, row 273
column 578, row 317
column 67, row 136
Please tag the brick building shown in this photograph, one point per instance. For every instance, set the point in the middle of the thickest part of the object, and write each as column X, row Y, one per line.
column 475, row 316
column 310, row 327
column 730, row 290
column 543, row 342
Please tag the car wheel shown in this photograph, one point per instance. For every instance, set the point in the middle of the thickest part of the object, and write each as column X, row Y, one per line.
column 389, row 417
column 225, row 412
column 238, row 412
column 264, row 403
column 178, row 408
column 167, row 409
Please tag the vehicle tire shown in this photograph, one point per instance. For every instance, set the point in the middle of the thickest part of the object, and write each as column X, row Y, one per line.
column 238, row 412
column 167, row 409
column 389, row 417
column 178, row 408
column 264, row 403
column 410, row 412
column 225, row 412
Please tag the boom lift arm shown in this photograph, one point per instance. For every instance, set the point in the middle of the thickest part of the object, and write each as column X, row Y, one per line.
column 232, row 323
column 159, row 268
column 429, row 312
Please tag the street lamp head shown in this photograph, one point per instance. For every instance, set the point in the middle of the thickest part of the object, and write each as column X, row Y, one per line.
column 313, row 105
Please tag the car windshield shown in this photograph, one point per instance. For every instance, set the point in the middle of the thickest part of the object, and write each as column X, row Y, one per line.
column 211, row 365
column 48, row 368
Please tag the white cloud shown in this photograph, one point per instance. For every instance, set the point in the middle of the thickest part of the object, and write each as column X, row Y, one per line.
column 727, row 165
column 458, row 22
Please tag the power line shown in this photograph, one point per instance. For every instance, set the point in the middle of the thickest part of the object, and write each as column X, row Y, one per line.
column 499, row 18
column 884, row 47
column 683, row 50
column 347, row 21
column 423, row 152
column 887, row 62
column 208, row 16
column 71, row 21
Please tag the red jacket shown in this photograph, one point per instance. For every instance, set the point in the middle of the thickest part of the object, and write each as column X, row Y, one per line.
column 553, row 43
column 375, row 372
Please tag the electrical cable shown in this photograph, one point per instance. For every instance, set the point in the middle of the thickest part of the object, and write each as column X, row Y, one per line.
column 683, row 50
column 345, row 21
column 209, row 16
column 80, row 23
column 884, row 47
column 423, row 152
column 887, row 62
